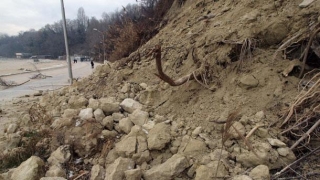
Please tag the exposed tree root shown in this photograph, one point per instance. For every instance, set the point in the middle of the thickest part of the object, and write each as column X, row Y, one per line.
column 195, row 75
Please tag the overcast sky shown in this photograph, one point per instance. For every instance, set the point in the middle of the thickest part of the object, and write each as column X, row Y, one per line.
column 23, row 15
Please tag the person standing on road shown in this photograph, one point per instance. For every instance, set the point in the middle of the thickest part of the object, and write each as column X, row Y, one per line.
column 92, row 64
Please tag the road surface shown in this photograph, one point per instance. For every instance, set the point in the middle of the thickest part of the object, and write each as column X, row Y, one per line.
column 60, row 77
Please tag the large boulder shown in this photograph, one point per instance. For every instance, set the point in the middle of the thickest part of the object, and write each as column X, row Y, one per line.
column 159, row 136
column 168, row 170
column 130, row 105
column 115, row 171
column 109, row 105
column 31, row 169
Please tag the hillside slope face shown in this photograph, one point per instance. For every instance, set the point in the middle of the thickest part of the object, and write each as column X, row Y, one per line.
column 124, row 122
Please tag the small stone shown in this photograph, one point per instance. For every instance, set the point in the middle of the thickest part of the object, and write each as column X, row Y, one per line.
column 260, row 172
column 248, row 81
column 305, row 3
column 86, row 114
column 196, row 131
column 12, row 128
column 283, row 151
column 125, row 125
column 276, row 142
column 262, row 132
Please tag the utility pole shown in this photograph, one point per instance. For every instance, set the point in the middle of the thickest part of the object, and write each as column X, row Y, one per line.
column 103, row 44
column 66, row 42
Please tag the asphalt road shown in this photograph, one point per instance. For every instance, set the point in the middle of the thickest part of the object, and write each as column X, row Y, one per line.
column 60, row 77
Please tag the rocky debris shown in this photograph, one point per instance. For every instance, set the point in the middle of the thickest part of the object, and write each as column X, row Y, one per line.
column 86, row 114
column 139, row 117
column 127, row 146
column 70, row 113
column 210, row 171
column 305, row 3
column 260, row 172
column 60, row 155
column 76, row 102
column 130, row 105
column 117, row 169
column 168, row 170
column 99, row 115
column 13, row 141
column 192, row 147
column 159, row 136
column 97, row 172
column 12, row 128
column 283, row 151
column 62, row 122
column 125, row 125
column 240, row 132
column 56, row 170
column 108, row 122
column 248, row 81
column 117, row 116
column 31, row 169
column 276, row 142
column 94, row 103
column 109, row 105
column 133, row 174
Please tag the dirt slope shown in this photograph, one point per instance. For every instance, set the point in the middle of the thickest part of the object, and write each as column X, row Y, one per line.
column 232, row 45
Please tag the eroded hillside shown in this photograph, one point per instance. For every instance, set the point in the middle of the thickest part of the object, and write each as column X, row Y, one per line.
column 223, row 122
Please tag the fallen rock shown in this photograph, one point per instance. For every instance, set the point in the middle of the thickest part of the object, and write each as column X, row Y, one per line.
column 115, row 171
column 109, row 134
column 133, row 174
column 191, row 146
column 240, row 129
column 93, row 103
column 86, row 114
column 108, row 122
column 159, row 136
column 76, row 102
column 208, row 172
column 168, row 170
column 12, row 128
column 276, row 142
column 109, row 105
column 127, row 146
column 60, row 155
column 97, row 172
column 248, row 81
column 31, row 169
column 117, row 116
column 98, row 115
column 196, row 132
column 13, row 141
column 130, row 105
column 260, row 172
column 70, row 113
column 56, row 171
column 62, row 122
column 283, row 151
column 139, row 117
column 305, row 3
column 125, row 125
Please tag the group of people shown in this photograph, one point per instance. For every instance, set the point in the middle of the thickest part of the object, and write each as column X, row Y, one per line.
column 92, row 63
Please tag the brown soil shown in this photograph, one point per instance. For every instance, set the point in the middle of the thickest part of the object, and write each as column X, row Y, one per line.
column 213, row 33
